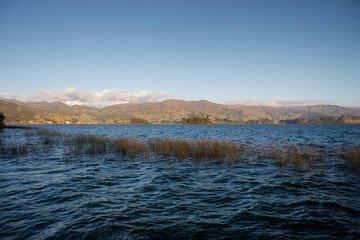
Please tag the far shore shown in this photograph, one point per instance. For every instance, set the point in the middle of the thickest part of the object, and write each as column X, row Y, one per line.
column 19, row 125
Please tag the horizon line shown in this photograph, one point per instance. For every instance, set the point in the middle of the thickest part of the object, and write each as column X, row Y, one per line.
column 14, row 100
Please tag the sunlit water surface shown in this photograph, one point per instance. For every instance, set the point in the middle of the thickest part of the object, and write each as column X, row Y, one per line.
column 52, row 196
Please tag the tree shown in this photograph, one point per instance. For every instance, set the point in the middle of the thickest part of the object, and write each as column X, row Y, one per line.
column 198, row 120
column 2, row 118
column 139, row 121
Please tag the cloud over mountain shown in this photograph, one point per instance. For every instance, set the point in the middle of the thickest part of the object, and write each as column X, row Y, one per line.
column 276, row 102
column 72, row 96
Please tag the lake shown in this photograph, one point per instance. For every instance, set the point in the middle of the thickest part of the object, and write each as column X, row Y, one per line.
column 50, row 194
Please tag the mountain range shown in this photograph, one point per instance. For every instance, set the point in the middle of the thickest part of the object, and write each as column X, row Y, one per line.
column 171, row 111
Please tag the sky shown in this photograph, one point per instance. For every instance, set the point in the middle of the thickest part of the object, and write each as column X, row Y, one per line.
column 276, row 53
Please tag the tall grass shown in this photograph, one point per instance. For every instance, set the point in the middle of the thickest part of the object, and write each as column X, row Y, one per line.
column 302, row 157
column 198, row 149
column 90, row 144
column 13, row 149
column 128, row 146
column 352, row 156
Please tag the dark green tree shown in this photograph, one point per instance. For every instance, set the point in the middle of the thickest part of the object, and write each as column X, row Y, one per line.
column 2, row 118
column 139, row 121
column 198, row 120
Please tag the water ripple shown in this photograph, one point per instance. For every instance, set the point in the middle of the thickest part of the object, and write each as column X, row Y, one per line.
column 100, row 197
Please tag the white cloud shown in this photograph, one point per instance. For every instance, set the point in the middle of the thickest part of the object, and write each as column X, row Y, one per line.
column 277, row 102
column 72, row 96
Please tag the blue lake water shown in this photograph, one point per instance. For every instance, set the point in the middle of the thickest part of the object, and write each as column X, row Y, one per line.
column 330, row 135
column 49, row 195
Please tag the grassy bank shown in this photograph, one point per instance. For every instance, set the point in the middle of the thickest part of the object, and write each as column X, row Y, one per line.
column 301, row 157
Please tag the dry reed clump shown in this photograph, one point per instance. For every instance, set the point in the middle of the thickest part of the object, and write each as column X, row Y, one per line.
column 47, row 132
column 352, row 157
column 215, row 149
column 128, row 146
column 90, row 143
column 198, row 149
column 49, row 136
column 169, row 147
column 13, row 149
column 48, row 140
column 302, row 157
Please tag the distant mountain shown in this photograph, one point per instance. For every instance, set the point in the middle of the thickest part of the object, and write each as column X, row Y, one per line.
column 343, row 119
column 51, row 106
column 170, row 111
column 173, row 111
column 18, row 114
column 316, row 111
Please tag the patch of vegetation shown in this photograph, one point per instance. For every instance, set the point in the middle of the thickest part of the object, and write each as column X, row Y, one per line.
column 198, row 120
column 352, row 156
column 260, row 121
column 139, row 121
column 301, row 157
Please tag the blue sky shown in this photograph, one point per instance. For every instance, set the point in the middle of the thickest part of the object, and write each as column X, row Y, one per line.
column 250, row 52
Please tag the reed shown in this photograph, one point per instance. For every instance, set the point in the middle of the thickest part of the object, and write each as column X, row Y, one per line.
column 48, row 140
column 179, row 148
column 302, row 157
column 47, row 132
column 13, row 149
column 352, row 156
column 91, row 144
column 279, row 156
column 170, row 147
column 128, row 146
column 197, row 149
column 232, row 151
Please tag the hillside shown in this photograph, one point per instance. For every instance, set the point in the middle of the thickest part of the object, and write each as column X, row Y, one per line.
column 16, row 114
column 316, row 111
column 168, row 111
column 343, row 119
column 171, row 111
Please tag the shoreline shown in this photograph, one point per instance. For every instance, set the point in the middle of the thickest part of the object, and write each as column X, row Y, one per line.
column 20, row 127
column 11, row 124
